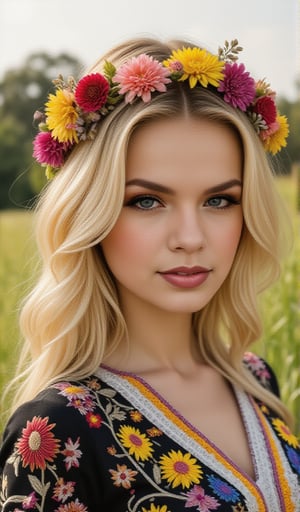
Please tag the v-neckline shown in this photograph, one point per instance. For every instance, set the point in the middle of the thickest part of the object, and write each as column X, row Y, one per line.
column 159, row 411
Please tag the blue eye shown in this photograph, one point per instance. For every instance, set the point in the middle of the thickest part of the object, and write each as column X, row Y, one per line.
column 220, row 202
column 144, row 202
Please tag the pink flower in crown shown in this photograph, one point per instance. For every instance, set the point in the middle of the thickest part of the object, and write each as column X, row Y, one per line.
column 238, row 86
column 91, row 92
column 47, row 150
column 265, row 106
column 265, row 134
column 141, row 76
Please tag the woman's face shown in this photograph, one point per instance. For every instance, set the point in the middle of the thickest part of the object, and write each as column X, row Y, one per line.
column 177, row 234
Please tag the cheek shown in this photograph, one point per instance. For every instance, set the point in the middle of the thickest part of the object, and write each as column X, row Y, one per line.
column 228, row 237
column 124, row 243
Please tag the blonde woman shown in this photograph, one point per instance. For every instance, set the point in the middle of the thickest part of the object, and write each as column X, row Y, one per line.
column 136, row 390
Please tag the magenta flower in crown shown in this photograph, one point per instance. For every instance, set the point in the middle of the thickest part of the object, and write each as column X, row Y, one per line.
column 141, row 76
column 49, row 151
column 238, row 86
column 91, row 92
column 266, row 107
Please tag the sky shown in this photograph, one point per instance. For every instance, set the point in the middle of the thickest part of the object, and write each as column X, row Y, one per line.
column 268, row 30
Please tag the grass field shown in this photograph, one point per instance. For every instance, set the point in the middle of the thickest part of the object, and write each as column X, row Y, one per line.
column 280, row 344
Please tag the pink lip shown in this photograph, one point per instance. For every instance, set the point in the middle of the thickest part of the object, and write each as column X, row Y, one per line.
column 186, row 277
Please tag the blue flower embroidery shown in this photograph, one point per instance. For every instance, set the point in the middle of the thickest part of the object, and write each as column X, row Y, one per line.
column 222, row 489
column 294, row 458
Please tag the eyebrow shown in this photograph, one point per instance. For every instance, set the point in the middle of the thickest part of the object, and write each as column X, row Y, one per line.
column 166, row 190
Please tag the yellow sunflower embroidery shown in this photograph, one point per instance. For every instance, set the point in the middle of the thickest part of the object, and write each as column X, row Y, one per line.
column 180, row 469
column 137, row 443
column 153, row 508
column 285, row 433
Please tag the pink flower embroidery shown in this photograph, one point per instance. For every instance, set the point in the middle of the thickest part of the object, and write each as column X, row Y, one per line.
column 29, row 502
column 141, row 76
column 72, row 453
column 197, row 498
column 63, row 490
column 238, row 86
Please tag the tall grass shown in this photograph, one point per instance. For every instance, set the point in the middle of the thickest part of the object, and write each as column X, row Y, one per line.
column 16, row 271
column 280, row 344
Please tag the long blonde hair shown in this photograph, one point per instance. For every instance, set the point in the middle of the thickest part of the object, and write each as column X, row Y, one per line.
column 72, row 318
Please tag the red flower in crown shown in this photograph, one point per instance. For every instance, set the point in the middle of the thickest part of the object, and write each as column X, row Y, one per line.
column 266, row 107
column 91, row 92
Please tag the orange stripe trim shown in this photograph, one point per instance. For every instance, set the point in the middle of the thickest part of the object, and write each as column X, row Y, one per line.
column 183, row 426
column 284, row 485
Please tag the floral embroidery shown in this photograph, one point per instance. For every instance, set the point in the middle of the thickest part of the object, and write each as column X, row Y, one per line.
column 146, row 468
column 74, row 506
column 294, row 458
column 285, row 433
column 137, row 443
column 258, row 367
column 37, row 444
column 136, row 416
column 94, row 420
column 180, row 469
column 154, row 432
column 222, row 489
column 30, row 501
column 198, row 498
column 72, row 453
column 123, row 476
column 153, row 508
column 63, row 490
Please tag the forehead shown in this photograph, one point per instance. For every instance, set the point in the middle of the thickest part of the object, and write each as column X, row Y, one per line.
column 187, row 145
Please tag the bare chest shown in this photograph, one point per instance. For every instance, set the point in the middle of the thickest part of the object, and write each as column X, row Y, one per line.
column 213, row 410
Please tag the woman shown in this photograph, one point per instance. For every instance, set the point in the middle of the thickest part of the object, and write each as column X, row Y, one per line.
column 137, row 390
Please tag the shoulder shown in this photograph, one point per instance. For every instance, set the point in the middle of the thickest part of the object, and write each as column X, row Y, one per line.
column 63, row 412
column 262, row 371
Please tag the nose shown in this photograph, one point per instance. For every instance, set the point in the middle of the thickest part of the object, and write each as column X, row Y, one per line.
column 187, row 232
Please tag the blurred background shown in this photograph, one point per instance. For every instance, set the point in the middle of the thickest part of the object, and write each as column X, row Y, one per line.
column 41, row 38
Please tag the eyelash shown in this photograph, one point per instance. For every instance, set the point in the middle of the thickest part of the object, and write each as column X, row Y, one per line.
column 231, row 201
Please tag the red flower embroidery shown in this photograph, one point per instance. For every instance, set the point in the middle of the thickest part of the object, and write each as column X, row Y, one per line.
column 37, row 444
column 94, row 420
column 91, row 92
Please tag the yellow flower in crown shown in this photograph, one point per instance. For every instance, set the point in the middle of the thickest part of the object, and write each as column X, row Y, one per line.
column 277, row 140
column 61, row 116
column 198, row 65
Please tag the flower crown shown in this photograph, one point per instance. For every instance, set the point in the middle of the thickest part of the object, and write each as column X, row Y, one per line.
column 73, row 113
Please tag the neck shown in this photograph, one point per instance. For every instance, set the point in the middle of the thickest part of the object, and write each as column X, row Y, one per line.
column 156, row 341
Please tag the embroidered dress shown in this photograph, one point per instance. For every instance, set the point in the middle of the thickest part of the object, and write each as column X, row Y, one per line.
column 112, row 443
